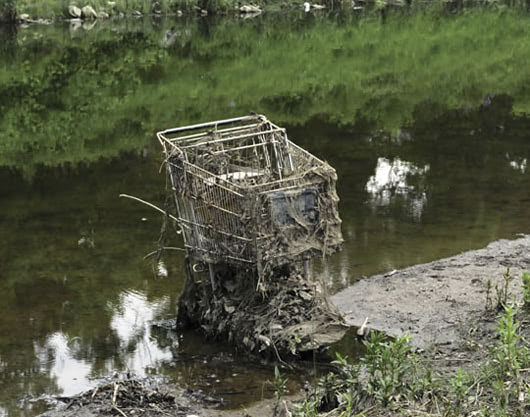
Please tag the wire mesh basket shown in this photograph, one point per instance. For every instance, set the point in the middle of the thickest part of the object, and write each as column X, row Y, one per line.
column 246, row 195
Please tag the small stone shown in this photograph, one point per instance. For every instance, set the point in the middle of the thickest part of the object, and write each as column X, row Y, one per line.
column 74, row 11
column 249, row 8
column 179, row 13
column 24, row 17
column 137, row 13
column 103, row 15
column 88, row 12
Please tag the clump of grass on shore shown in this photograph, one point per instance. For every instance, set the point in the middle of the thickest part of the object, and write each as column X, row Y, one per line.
column 392, row 377
column 526, row 289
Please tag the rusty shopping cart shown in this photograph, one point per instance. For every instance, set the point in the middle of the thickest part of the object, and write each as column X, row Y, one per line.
column 247, row 196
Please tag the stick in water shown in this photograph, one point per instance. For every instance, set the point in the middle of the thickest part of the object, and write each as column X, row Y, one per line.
column 150, row 205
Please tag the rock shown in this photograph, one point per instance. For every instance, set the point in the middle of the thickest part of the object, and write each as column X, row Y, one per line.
column 24, row 17
column 74, row 11
column 179, row 13
column 137, row 13
column 111, row 3
column 249, row 8
column 88, row 12
column 204, row 12
column 103, row 15
column 308, row 6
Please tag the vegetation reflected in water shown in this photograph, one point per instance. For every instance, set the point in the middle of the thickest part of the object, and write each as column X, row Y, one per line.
column 429, row 138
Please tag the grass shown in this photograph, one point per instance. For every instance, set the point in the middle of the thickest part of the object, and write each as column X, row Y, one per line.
column 526, row 289
column 115, row 84
column 392, row 377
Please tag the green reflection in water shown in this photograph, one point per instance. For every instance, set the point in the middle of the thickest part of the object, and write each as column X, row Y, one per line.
column 73, row 96
column 428, row 165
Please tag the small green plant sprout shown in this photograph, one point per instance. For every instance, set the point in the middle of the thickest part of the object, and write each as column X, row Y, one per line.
column 459, row 386
column 489, row 301
column 503, row 290
column 308, row 408
column 280, row 388
column 348, row 372
column 526, row 289
column 509, row 353
column 387, row 363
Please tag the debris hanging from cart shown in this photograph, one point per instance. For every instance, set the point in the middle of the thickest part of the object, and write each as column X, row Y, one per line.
column 250, row 204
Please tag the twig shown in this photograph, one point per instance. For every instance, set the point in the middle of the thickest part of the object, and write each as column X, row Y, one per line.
column 94, row 392
column 119, row 411
column 163, row 248
column 116, row 386
column 150, row 205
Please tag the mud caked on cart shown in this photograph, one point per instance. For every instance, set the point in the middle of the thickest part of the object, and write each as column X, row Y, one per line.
column 249, row 202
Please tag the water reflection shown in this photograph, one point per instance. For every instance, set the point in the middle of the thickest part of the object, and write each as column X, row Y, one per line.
column 63, row 357
column 57, row 358
column 131, row 321
column 391, row 179
column 519, row 164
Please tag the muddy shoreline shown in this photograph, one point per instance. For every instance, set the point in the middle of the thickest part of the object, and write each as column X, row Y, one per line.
column 442, row 305
column 436, row 303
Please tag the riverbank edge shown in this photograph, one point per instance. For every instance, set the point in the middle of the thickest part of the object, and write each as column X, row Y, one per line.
column 434, row 302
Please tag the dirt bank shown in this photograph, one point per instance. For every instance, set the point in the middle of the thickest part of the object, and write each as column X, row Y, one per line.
column 436, row 303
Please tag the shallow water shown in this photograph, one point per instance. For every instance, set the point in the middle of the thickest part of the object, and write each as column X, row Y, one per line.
column 432, row 160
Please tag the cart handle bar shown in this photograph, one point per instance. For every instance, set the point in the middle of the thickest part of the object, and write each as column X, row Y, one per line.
column 213, row 124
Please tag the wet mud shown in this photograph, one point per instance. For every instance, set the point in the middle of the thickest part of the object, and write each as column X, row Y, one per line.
column 124, row 397
column 291, row 317
column 438, row 302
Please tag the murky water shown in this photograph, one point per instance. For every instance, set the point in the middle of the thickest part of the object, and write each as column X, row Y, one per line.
column 431, row 161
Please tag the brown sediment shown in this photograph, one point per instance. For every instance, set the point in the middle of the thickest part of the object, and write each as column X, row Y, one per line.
column 438, row 302
column 125, row 397
column 293, row 315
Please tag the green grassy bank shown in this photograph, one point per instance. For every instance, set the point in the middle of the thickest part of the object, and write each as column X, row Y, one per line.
column 10, row 10
column 70, row 96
